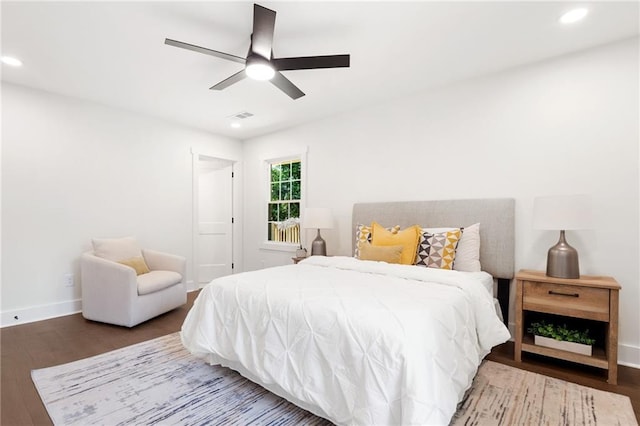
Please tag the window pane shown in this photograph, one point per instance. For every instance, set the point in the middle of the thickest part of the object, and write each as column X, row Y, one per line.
column 276, row 172
column 275, row 192
column 284, row 212
column 295, row 170
column 294, row 210
column 285, row 191
column 295, row 190
column 285, row 186
column 273, row 212
column 286, row 171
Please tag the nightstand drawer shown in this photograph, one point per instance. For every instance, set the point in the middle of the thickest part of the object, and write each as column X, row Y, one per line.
column 569, row 300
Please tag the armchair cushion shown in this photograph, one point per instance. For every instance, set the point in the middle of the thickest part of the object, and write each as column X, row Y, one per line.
column 156, row 281
column 116, row 249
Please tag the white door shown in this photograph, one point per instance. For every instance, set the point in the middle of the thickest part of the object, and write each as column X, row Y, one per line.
column 214, row 235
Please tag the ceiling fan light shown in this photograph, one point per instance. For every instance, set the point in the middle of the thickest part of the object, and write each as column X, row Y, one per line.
column 259, row 69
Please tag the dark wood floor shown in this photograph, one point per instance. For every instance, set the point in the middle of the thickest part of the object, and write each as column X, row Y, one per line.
column 57, row 341
column 65, row 339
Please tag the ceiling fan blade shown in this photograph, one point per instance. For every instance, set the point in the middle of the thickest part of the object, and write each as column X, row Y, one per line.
column 204, row 50
column 264, row 21
column 311, row 62
column 282, row 83
column 229, row 81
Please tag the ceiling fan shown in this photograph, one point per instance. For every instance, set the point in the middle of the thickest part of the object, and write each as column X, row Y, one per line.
column 260, row 63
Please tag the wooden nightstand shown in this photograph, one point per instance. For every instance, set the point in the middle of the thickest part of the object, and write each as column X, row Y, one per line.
column 588, row 297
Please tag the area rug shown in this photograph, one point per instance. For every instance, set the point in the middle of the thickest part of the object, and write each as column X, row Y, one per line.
column 503, row 395
column 159, row 382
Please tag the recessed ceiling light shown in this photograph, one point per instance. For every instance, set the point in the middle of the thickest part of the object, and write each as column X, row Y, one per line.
column 574, row 15
column 235, row 124
column 9, row 60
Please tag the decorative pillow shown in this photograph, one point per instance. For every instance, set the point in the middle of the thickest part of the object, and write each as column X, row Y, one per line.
column 438, row 250
column 363, row 235
column 389, row 254
column 136, row 263
column 116, row 249
column 407, row 238
column 468, row 251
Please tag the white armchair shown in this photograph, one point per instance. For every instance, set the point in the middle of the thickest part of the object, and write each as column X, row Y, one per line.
column 114, row 293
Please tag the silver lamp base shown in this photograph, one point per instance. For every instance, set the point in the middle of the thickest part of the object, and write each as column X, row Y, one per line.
column 562, row 260
column 318, row 246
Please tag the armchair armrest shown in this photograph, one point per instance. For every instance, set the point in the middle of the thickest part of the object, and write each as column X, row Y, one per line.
column 157, row 260
column 108, row 289
column 102, row 273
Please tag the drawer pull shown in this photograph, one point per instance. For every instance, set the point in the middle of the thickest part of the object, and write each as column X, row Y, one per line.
column 559, row 293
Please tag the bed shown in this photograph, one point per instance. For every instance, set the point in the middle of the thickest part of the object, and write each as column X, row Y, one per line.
column 362, row 342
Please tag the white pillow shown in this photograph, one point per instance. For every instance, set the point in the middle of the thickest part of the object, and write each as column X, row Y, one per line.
column 116, row 249
column 468, row 251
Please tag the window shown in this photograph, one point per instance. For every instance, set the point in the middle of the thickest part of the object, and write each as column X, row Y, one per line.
column 284, row 202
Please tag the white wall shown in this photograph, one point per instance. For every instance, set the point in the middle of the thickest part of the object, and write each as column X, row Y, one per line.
column 564, row 126
column 73, row 170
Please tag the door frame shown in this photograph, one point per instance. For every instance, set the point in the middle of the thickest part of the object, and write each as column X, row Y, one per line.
column 196, row 156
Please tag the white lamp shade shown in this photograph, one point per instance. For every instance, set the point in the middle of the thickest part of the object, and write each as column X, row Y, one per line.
column 564, row 212
column 317, row 218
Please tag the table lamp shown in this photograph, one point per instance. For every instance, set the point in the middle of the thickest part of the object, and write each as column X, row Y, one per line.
column 562, row 213
column 317, row 218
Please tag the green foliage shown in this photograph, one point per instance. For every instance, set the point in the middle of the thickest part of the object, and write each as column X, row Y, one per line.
column 560, row 333
column 273, row 212
column 276, row 172
column 285, row 181
column 286, row 171
column 295, row 170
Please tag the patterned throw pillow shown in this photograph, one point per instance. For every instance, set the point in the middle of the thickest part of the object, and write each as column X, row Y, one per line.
column 438, row 250
column 468, row 250
column 363, row 235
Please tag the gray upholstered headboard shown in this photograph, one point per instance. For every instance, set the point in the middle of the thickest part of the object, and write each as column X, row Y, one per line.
column 496, row 218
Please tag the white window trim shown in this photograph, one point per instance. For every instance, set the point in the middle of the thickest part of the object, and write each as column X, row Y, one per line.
column 266, row 191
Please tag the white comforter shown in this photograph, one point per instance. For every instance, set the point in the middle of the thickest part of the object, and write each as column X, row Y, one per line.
column 353, row 341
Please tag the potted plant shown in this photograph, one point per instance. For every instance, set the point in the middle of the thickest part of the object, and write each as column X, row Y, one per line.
column 561, row 337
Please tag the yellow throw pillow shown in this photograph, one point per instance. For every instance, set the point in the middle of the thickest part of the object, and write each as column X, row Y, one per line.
column 407, row 238
column 363, row 235
column 389, row 254
column 136, row 263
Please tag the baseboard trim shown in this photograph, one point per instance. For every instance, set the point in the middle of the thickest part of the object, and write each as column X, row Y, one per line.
column 45, row 312
column 628, row 355
column 40, row 313
column 191, row 286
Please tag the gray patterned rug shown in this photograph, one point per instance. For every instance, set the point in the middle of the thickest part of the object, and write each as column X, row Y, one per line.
column 159, row 382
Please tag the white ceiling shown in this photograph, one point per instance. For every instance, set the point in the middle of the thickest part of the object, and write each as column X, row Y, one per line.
column 114, row 52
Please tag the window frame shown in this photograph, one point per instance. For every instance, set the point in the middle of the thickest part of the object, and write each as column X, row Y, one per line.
column 266, row 197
